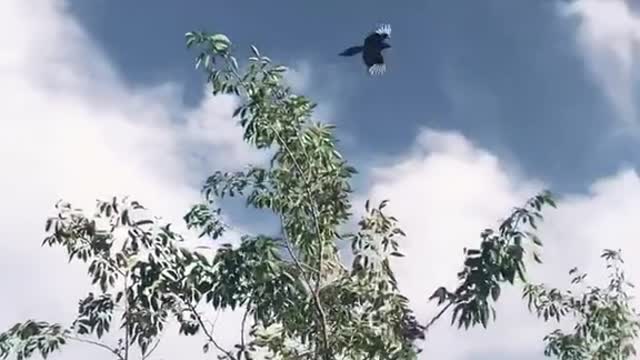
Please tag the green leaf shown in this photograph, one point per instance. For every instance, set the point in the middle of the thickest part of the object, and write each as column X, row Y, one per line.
column 280, row 69
column 220, row 42
column 255, row 51
column 495, row 292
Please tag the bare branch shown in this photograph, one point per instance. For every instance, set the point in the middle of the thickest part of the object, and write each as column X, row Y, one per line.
column 152, row 349
column 437, row 317
column 242, row 328
column 126, row 314
column 207, row 333
column 96, row 343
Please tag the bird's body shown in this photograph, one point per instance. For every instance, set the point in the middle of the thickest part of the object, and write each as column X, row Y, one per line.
column 372, row 50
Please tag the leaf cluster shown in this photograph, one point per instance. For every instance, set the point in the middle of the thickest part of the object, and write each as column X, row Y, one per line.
column 607, row 326
column 499, row 259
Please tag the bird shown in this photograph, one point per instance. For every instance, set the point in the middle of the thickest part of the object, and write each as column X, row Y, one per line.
column 371, row 50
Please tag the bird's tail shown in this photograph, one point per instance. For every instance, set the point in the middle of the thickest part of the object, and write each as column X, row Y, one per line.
column 352, row 51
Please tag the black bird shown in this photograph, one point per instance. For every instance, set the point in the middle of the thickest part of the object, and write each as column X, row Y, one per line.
column 372, row 50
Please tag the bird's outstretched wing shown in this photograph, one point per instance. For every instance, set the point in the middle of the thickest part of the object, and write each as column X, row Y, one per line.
column 384, row 30
column 375, row 62
column 377, row 69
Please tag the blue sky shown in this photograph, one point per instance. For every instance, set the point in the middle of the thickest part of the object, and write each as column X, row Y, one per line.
column 507, row 74
column 484, row 103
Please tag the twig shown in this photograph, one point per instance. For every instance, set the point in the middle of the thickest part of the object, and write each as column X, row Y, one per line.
column 127, row 317
column 96, row 343
column 315, row 294
column 244, row 321
column 289, row 248
column 301, row 264
column 207, row 333
column 215, row 321
column 152, row 349
column 435, row 318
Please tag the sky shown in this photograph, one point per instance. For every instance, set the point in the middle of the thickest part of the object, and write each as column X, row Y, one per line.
column 483, row 104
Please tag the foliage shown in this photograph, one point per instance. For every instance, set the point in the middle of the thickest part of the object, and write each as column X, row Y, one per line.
column 607, row 325
column 299, row 300
column 25, row 338
column 499, row 259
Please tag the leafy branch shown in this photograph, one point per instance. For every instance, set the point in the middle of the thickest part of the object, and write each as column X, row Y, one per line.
column 260, row 95
column 607, row 325
column 499, row 259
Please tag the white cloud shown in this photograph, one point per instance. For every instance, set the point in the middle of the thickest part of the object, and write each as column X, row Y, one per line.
column 447, row 190
column 325, row 84
column 71, row 128
column 608, row 32
column 301, row 77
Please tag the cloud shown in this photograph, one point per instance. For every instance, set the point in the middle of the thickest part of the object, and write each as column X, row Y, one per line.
column 300, row 77
column 446, row 190
column 325, row 84
column 608, row 34
column 71, row 128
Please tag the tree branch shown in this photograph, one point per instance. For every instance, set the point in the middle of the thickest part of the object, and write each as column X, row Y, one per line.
column 151, row 350
column 242, row 327
column 315, row 294
column 289, row 248
column 437, row 317
column 127, row 317
column 207, row 333
column 96, row 343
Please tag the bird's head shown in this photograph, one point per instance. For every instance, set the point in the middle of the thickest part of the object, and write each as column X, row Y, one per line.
column 385, row 45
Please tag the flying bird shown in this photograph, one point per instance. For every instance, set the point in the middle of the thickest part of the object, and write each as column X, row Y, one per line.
column 372, row 50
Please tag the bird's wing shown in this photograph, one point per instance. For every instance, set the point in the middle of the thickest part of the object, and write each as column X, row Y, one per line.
column 377, row 69
column 375, row 62
column 384, row 30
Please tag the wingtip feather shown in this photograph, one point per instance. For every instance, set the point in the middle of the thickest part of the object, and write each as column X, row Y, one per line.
column 384, row 29
column 377, row 69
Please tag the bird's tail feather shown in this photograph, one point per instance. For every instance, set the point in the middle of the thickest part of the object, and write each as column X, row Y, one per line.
column 352, row 51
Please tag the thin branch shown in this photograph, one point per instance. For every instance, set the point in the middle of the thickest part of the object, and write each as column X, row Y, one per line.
column 300, row 264
column 207, row 333
column 215, row 321
column 316, row 296
column 152, row 349
column 127, row 317
column 96, row 343
column 435, row 318
column 289, row 248
column 242, row 327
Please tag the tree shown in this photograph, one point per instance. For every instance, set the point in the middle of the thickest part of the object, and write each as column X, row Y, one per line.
column 607, row 325
column 300, row 301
